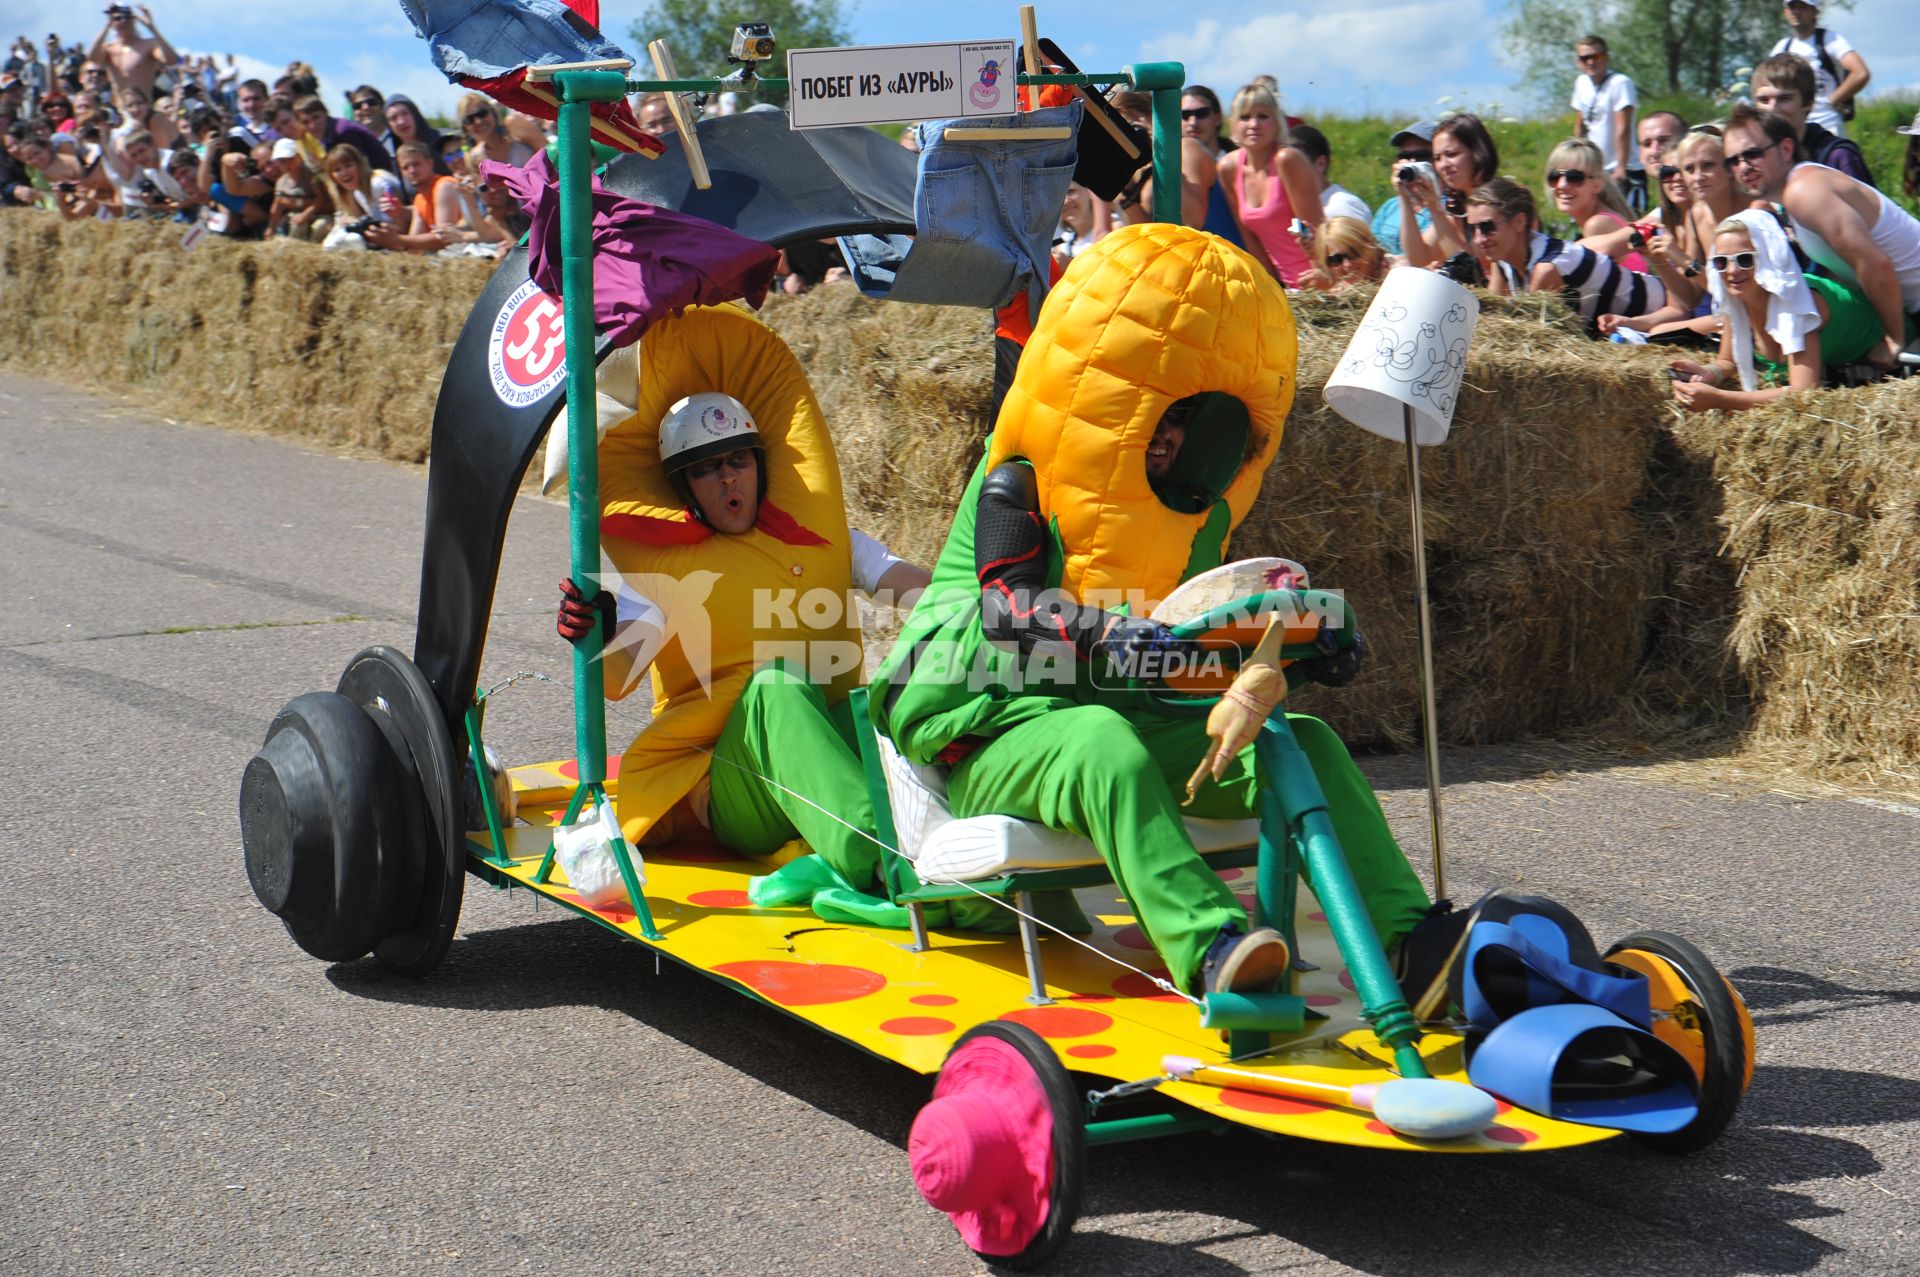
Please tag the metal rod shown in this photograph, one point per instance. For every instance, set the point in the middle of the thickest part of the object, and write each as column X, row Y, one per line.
column 917, row 915
column 1429, row 715
column 1150, row 1126
column 1030, row 947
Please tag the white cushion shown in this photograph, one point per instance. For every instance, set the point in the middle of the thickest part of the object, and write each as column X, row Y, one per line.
column 948, row 848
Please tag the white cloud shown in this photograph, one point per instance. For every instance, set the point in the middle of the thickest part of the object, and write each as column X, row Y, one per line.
column 1351, row 56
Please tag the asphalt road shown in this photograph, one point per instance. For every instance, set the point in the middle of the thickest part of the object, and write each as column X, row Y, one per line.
column 182, row 1090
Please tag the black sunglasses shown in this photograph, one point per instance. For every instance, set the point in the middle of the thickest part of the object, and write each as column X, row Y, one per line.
column 1571, row 176
column 474, row 117
column 1751, row 155
column 1197, row 113
column 372, row 104
column 1477, row 229
column 738, row 462
column 1668, row 172
column 1719, row 261
column 1589, row 57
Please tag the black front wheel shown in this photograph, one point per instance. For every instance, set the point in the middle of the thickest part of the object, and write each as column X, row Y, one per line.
column 1700, row 1015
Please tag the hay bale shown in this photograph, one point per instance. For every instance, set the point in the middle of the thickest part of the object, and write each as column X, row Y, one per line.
column 1822, row 517
column 343, row 348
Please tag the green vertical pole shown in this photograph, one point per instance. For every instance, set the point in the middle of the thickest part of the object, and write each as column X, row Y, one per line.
column 577, row 90
column 1287, row 769
column 583, row 439
column 1164, row 80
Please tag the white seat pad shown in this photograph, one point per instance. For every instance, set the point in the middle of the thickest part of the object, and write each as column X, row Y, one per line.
column 948, row 848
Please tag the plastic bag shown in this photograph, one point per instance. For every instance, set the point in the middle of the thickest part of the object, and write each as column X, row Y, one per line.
column 585, row 852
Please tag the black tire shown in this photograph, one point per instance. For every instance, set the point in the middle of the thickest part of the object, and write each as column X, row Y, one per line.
column 1724, row 1040
column 400, row 701
column 322, row 823
column 1069, row 1141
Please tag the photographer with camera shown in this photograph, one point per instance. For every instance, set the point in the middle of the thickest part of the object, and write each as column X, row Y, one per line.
column 139, row 172
column 238, row 186
column 80, row 186
column 361, row 196
column 1464, row 159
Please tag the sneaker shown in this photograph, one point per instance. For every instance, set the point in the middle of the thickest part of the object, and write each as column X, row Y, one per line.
column 1252, row 963
column 1426, row 956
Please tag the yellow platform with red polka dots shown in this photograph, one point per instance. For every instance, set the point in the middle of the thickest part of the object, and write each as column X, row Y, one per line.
column 865, row 985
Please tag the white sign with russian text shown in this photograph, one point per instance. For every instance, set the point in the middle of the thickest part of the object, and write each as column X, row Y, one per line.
column 890, row 83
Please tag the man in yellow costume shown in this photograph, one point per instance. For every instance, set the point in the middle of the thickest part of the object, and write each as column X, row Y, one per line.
column 722, row 516
column 1133, row 440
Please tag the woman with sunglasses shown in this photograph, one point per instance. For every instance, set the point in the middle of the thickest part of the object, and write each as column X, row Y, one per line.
column 1678, row 256
column 490, row 141
column 1345, row 253
column 1783, row 326
column 1579, row 187
column 59, row 112
column 1464, row 158
column 1518, row 258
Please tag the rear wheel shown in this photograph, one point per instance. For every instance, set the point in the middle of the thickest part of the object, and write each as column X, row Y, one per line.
column 1001, row 1146
column 1700, row 1015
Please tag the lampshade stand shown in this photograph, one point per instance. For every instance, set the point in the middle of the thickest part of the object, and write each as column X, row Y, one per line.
column 1429, row 716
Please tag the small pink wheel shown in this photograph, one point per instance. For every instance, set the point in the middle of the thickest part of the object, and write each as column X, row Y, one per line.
column 1001, row 1147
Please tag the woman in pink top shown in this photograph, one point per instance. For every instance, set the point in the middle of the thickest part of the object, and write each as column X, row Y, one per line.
column 1578, row 184
column 1268, row 184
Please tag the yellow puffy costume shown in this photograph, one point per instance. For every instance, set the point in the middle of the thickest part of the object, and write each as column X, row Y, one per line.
column 1150, row 314
column 729, row 600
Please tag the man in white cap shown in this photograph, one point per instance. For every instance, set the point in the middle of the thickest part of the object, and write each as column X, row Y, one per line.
column 1839, row 72
column 1411, row 145
column 1853, row 231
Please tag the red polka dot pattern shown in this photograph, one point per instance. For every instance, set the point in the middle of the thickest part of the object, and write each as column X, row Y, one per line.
column 1261, row 1102
column 1509, row 1135
column 1346, row 979
column 719, row 899
column 1132, row 938
column 804, row 984
column 916, row 1026
column 571, row 768
column 1135, row 985
column 1061, row 1022
column 1091, row 1051
column 932, row 1000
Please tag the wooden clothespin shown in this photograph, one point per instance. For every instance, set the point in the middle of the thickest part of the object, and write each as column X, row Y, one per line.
column 683, row 118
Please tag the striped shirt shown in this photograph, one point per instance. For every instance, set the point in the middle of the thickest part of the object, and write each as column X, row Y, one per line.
column 1595, row 284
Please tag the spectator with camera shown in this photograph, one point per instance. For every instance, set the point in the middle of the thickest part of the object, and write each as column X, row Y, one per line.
column 436, row 204
column 1269, row 185
column 239, row 187
column 1411, row 145
column 1516, row 257
column 361, row 196
column 1605, row 100
column 1464, row 159
column 1840, row 73
column 131, row 60
column 300, row 206
column 139, row 172
column 1785, row 84
column 1852, row 231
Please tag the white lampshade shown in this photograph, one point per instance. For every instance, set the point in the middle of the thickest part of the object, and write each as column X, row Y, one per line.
column 1410, row 352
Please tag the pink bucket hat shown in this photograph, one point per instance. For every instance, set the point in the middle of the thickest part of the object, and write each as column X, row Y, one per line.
column 982, row 1148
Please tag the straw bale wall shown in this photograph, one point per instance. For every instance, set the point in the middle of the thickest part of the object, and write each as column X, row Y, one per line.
column 341, row 348
column 1576, row 533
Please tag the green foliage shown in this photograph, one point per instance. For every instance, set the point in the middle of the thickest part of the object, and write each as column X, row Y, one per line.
column 699, row 32
column 1666, row 46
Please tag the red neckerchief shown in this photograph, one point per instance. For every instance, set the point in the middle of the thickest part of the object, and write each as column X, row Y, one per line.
column 688, row 530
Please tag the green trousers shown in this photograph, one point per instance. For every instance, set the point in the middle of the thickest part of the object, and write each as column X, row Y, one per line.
column 1117, row 780
column 785, row 755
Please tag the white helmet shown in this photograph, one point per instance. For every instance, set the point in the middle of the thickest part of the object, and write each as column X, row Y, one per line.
column 708, row 424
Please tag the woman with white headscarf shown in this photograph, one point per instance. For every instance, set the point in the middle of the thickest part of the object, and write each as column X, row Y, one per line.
column 1782, row 326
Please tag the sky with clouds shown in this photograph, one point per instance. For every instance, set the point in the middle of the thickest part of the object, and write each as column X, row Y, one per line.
column 1390, row 57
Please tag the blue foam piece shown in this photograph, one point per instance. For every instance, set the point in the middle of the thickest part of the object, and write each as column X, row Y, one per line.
column 1518, row 1060
column 1552, row 977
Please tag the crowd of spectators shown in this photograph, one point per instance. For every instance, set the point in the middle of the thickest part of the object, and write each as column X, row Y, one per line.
column 1760, row 240
column 1648, row 226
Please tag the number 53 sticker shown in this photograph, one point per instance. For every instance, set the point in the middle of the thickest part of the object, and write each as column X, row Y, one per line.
column 527, row 350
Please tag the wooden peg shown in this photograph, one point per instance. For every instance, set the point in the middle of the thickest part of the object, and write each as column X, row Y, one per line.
column 551, row 69
column 696, row 158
